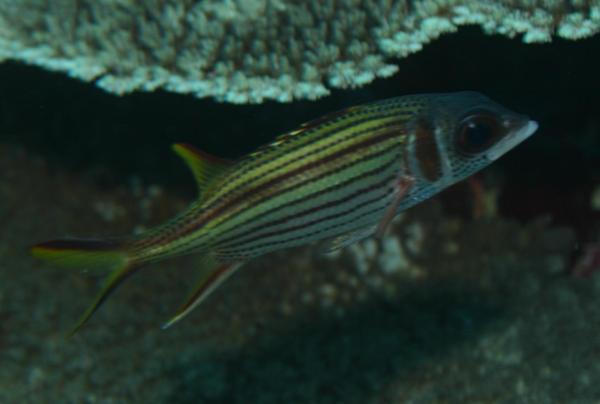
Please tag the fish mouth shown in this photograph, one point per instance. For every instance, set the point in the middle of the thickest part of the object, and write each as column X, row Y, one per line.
column 512, row 139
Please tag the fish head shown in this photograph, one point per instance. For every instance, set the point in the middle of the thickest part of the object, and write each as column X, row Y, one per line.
column 470, row 131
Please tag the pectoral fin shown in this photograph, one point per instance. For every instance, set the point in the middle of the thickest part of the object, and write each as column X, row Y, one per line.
column 212, row 276
column 401, row 189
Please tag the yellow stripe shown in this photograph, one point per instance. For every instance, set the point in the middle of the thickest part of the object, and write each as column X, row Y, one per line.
column 287, row 198
column 289, row 152
column 261, row 175
column 212, row 228
column 271, row 164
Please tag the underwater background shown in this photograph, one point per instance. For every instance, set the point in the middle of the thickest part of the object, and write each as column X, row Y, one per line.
column 488, row 293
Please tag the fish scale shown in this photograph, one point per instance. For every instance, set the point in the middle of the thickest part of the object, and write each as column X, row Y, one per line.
column 254, row 193
column 322, row 192
column 308, row 188
column 313, row 138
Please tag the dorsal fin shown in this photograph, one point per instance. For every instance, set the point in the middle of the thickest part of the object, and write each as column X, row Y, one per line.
column 204, row 166
column 306, row 126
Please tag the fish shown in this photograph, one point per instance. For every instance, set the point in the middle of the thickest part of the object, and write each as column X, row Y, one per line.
column 331, row 182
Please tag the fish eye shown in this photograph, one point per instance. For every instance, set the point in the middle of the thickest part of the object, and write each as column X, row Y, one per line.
column 477, row 132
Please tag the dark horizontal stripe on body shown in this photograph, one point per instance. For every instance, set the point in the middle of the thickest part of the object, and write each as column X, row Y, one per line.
column 307, row 145
column 250, row 251
column 313, row 209
column 320, row 220
column 290, row 148
column 319, row 131
column 285, row 175
column 214, row 205
column 307, row 197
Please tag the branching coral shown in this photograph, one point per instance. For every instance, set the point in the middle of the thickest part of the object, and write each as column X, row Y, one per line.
column 247, row 51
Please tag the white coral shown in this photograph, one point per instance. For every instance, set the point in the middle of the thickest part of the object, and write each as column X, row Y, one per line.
column 247, row 51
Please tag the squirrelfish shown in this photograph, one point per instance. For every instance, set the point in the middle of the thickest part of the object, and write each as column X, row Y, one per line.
column 334, row 180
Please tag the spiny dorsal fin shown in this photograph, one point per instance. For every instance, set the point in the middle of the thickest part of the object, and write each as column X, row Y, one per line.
column 204, row 166
column 306, row 126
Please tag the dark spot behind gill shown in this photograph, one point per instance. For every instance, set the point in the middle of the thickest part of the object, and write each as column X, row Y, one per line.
column 427, row 153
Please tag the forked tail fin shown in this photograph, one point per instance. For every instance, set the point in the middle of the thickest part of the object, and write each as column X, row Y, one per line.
column 93, row 255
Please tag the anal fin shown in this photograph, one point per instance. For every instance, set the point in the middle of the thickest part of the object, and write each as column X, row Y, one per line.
column 212, row 277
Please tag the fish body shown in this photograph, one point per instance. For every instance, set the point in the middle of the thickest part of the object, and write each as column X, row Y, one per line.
column 334, row 180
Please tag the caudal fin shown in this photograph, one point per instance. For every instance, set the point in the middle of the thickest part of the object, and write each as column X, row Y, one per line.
column 93, row 255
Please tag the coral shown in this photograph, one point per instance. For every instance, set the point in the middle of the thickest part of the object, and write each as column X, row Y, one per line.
column 248, row 51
